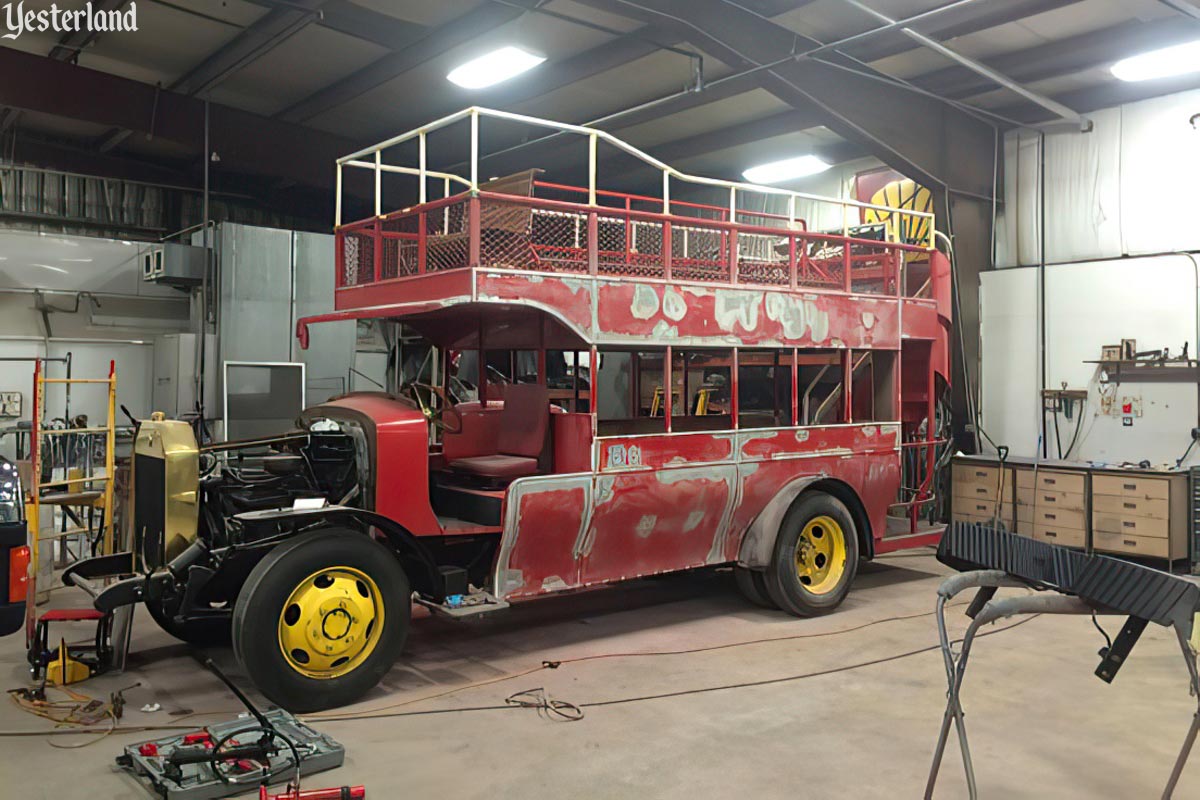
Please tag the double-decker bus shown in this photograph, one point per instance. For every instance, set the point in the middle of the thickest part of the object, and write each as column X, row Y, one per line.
column 593, row 387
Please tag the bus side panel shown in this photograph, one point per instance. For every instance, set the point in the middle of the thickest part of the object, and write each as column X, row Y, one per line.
column 648, row 522
column 862, row 456
column 545, row 520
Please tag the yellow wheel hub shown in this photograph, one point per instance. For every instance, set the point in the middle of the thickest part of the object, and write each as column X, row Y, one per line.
column 821, row 555
column 331, row 622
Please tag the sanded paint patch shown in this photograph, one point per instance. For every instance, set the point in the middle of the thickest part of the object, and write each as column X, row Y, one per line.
column 736, row 308
column 645, row 525
column 645, row 302
column 788, row 311
column 693, row 521
column 674, row 307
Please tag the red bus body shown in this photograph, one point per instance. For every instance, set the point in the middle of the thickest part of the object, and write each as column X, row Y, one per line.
column 615, row 506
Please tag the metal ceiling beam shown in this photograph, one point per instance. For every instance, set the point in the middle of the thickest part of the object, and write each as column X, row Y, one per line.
column 470, row 25
column 616, row 53
column 759, row 130
column 1062, row 57
column 67, row 49
column 361, row 23
column 1106, row 95
column 253, row 42
column 246, row 142
column 71, row 44
column 999, row 78
column 1183, row 7
column 961, row 22
column 929, row 140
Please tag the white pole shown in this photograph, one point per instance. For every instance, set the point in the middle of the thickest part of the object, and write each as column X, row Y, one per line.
column 733, row 204
column 378, row 183
column 474, row 149
column 792, row 211
column 666, row 191
column 337, row 203
column 421, row 167
column 592, row 170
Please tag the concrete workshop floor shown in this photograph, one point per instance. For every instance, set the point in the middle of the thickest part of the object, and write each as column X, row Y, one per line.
column 1041, row 725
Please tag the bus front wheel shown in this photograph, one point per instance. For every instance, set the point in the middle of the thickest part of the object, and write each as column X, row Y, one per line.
column 815, row 557
column 321, row 619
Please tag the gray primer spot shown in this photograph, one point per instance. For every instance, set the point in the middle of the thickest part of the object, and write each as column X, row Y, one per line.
column 645, row 302
column 673, row 305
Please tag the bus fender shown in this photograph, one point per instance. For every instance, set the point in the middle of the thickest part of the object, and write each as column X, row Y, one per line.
column 418, row 562
column 758, row 544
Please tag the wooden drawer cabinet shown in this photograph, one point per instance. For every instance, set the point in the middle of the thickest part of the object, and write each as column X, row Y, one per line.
column 982, row 482
column 1136, row 512
column 1149, row 546
column 1139, row 514
column 1133, row 487
column 1060, row 518
column 1046, row 498
column 1117, row 506
column 1052, row 480
column 1132, row 526
column 1067, row 537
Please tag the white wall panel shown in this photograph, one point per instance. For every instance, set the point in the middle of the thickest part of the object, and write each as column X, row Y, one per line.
column 1125, row 188
column 1009, row 356
column 1088, row 305
column 1160, row 171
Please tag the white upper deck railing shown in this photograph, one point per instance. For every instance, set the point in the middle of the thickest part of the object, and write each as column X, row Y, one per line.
column 669, row 173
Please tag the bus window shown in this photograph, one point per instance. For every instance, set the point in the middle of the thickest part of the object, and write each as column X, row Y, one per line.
column 702, row 389
column 568, row 380
column 819, row 387
column 627, row 384
column 874, row 394
column 764, row 388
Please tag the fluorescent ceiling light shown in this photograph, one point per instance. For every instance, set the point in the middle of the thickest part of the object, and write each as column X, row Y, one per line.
column 786, row 170
column 1165, row 63
column 496, row 66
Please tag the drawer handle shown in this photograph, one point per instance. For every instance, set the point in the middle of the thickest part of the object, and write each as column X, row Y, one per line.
column 1052, row 534
column 1051, row 516
column 1129, row 487
column 1050, row 481
column 1129, row 542
column 1130, row 505
column 980, row 508
column 1129, row 524
column 1048, row 498
column 981, row 490
column 980, row 474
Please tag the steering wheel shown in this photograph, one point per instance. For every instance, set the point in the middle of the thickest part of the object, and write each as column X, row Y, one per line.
column 423, row 394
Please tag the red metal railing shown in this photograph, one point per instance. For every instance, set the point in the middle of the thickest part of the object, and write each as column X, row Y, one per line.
column 500, row 231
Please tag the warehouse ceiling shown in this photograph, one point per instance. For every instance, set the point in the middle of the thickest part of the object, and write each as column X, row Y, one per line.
column 292, row 84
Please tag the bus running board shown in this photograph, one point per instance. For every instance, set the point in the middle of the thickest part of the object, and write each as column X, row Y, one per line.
column 465, row 605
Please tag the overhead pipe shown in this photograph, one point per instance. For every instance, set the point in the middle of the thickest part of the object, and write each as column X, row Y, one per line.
column 1051, row 105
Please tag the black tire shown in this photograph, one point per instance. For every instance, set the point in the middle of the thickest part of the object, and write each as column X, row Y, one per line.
column 794, row 592
column 258, row 618
column 752, row 584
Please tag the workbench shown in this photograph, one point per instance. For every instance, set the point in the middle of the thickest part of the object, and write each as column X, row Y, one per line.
column 1092, row 507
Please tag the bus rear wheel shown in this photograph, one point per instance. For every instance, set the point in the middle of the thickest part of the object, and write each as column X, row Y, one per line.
column 752, row 584
column 815, row 557
column 321, row 619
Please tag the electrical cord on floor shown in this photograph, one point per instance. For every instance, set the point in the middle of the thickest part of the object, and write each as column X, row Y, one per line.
column 555, row 664
column 537, row 698
column 681, row 692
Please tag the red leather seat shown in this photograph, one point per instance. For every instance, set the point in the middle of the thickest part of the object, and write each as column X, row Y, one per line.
column 524, row 422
